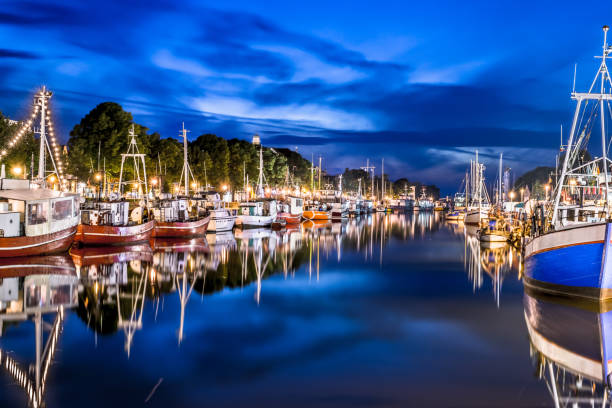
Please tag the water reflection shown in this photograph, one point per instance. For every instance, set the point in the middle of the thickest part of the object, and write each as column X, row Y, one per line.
column 132, row 294
column 568, row 342
column 496, row 262
column 36, row 289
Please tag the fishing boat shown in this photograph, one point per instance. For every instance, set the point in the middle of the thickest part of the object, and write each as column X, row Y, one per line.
column 292, row 210
column 340, row 210
column 569, row 248
column 493, row 230
column 221, row 218
column 256, row 214
column 316, row 212
column 175, row 217
column 36, row 220
column 114, row 220
column 425, row 202
column 456, row 215
column 478, row 207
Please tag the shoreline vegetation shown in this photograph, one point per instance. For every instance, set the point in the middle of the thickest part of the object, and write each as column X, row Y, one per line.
column 99, row 139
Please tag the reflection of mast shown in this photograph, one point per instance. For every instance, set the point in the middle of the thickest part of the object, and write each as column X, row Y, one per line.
column 184, row 298
column 35, row 390
column 135, row 322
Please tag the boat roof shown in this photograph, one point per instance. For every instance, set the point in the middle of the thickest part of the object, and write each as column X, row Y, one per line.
column 25, row 194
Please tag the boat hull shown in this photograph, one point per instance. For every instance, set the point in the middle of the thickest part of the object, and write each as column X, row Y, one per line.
column 221, row 224
column 476, row 216
column 181, row 229
column 254, row 221
column 316, row 215
column 110, row 235
column 54, row 243
column 574, row 261
column 290, row 218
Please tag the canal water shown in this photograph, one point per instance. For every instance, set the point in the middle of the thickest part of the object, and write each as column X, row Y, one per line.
column 386, row 310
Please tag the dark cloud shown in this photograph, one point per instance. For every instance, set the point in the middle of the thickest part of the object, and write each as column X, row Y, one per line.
column 5, row 53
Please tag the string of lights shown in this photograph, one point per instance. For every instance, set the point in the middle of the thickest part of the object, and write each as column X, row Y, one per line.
column 41, row 105
column 25, row 126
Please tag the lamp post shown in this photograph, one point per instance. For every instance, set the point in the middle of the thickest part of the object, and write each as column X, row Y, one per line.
column 512, row 196
column 547, row 188
column 99, row 180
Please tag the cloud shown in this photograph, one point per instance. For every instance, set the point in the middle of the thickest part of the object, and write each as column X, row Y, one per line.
column 5, row 53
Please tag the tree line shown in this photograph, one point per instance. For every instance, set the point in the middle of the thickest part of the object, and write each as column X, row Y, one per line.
column 99, row 139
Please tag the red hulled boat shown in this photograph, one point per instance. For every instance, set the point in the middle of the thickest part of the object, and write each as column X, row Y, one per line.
column 114, row 235
column 36, row 222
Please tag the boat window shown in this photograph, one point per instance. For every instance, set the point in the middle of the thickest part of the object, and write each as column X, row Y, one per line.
column 37, row 213
column 62, row 209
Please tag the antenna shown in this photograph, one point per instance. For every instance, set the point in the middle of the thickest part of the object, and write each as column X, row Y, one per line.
column 574, row 85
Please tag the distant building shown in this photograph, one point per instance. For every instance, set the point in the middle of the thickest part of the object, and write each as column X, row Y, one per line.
column 256, row 140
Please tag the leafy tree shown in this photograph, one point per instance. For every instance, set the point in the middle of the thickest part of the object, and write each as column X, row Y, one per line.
column 21, row 154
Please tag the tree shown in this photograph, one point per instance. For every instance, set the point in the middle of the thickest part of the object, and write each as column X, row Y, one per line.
column 21, row 154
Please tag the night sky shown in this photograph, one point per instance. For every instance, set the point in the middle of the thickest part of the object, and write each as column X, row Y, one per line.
column 421, row 84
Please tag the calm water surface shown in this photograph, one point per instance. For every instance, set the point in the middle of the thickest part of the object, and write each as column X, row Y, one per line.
column 384, row 310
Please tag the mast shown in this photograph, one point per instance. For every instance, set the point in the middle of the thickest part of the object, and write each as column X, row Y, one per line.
column 186, row 169
column 135, row 154
column 382, row 176
column 573, row 149
column 312, row 174
column 319, row 173
column 260, row 188
column 499, row 187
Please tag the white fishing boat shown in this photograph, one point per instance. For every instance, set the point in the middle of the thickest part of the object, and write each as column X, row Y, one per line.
column 478, row 203
column 256, row 214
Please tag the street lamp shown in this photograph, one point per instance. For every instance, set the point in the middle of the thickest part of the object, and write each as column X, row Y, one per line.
column 16, row 171
column 512, row 196
column 224, row 187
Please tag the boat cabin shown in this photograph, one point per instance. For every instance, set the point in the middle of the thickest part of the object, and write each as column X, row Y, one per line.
column 258, row 208
column 25, row 212
column 111, row 213
column 296, row 206
column 171, row 210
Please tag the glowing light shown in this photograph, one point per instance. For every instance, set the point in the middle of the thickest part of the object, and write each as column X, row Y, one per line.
column 154, row 181
column 194, row 185
column 98, row 176
column 52, row 179
column 224, row 187
column 16, row 170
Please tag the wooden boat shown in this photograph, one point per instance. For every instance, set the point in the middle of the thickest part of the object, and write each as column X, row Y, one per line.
column 279, row 224
column 256, row 214
column 315, row 212
column 181, row 229
column 292, row 211
column 221, row 220
column 114, row 235
column 107, row 223
column 172, row 219
column 340, row 210
column 37, row 222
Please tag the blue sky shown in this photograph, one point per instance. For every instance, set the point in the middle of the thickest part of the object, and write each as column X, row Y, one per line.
column 422, row 84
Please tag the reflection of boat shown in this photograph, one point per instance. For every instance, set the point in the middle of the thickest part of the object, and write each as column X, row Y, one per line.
column 87, row 256
column 180, row 244
column 316, row 224
column 41, row 265
column 29, row 298
column 494, row 261
column 569, row 341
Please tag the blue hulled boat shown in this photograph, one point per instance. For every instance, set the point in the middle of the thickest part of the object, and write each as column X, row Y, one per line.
column 569, row 251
